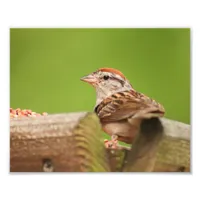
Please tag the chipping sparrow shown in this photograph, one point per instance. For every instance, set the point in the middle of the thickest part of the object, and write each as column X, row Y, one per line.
column 120, row 107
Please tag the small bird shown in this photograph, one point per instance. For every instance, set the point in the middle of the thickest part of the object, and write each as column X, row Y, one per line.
column 119, row 107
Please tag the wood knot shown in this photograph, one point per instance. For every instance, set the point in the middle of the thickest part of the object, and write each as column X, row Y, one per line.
column 181, row 169
column 47, row 165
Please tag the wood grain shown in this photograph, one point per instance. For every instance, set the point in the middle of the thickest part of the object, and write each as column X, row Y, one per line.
column 73, row 142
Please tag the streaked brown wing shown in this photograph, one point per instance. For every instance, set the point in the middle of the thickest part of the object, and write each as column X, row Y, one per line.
column 124, row 105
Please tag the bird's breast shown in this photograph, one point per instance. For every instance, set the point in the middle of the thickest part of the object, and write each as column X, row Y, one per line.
column 123, row 129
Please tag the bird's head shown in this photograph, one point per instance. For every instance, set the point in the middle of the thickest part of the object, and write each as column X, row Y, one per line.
column 107, row 81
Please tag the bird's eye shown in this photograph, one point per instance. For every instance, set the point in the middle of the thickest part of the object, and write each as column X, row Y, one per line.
column 106, row 77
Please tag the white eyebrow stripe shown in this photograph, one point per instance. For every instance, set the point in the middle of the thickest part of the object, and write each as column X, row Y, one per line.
column 118, row 76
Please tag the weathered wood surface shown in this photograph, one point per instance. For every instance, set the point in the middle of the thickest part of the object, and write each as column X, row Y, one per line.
column 65, row 142
column 73, row 142
column 142, row 155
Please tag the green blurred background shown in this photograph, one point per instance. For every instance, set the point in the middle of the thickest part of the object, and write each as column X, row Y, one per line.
column 46, row 66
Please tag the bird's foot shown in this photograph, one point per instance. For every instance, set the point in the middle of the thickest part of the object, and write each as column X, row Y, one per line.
column 111, row 144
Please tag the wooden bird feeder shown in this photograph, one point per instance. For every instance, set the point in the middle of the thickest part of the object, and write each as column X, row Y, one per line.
column 73, row 142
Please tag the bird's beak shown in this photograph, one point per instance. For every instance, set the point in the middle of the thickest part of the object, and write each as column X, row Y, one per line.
column 91, row 79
